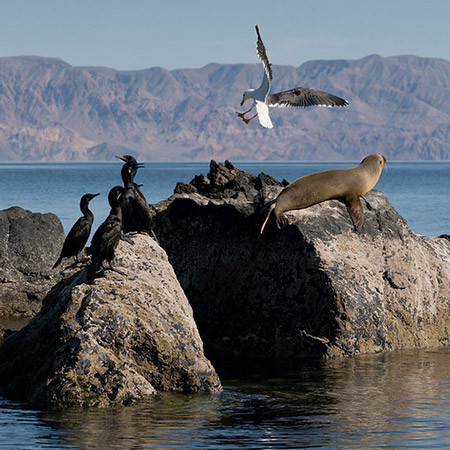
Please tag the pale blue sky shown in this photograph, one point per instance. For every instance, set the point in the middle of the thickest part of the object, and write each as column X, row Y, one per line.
column 136, row 34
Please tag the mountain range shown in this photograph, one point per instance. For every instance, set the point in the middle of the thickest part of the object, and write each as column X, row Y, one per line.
column 52, row 111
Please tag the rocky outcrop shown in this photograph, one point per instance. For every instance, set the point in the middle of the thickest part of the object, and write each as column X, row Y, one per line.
column 109, row 340
column 30, row 243
column 316, row 287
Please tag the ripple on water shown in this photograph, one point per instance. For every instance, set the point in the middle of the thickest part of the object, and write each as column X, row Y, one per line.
column 395, row 400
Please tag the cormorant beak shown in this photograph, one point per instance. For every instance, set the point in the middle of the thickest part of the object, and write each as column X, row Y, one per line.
column 95, row 195
column 243, row 101
column 120, row 157
column 140, row 165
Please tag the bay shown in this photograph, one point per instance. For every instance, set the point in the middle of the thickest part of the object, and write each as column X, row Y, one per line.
column 388, row 401
column 394, row 400
column 419, row 191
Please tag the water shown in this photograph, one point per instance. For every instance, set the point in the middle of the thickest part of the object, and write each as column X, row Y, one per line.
column 396, row 400
column 418, row 190
column 392, row 401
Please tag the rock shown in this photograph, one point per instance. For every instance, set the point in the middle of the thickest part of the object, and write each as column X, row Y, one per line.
column 315, row 288
column 30, row 243
column 184, row 188
column 111, row 340
column 227, row 181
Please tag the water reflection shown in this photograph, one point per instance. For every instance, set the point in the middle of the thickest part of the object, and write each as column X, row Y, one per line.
column 397, row 400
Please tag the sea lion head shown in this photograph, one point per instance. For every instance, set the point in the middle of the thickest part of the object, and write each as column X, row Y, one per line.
column 375, row 160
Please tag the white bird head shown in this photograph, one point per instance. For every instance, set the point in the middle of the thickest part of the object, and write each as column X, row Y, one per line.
column 247, row 94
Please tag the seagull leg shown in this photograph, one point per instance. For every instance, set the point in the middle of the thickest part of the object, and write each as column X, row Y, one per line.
column 248, row 120
column 241, row 115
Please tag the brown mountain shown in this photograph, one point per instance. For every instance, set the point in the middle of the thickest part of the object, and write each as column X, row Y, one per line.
column 49, row 110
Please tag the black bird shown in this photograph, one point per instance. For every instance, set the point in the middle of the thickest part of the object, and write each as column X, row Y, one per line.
column 80, row 231
column 107, row 236
column 136, row 212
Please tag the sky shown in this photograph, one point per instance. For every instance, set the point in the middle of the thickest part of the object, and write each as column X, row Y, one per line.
column 137, row 34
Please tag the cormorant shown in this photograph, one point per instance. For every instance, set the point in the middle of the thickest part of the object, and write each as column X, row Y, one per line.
column 137, row 214
column 107, row 236
column 80, row 231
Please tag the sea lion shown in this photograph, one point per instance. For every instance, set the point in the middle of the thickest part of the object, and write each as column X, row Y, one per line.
column 347, row 185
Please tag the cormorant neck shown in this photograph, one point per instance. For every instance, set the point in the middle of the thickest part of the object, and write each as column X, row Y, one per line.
column 116, row 210
column 127, row 175
column 84, row 207
column 113, row 200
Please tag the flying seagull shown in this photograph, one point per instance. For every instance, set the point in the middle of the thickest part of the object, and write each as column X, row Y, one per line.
column 299, row 97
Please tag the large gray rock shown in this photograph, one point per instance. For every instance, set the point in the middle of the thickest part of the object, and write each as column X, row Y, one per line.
column 316, row 287
column 30, row 243
column 109, row 340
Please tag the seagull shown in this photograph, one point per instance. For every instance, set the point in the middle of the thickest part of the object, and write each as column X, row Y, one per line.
column 299, row 97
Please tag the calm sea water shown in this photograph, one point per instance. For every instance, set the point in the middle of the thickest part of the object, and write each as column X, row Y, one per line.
column 418, row 190
column 396, row 400
column 399, row 400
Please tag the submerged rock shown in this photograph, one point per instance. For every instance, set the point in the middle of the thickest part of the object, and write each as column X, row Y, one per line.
column 315, row 288
column 29, row 245
column 110, row 340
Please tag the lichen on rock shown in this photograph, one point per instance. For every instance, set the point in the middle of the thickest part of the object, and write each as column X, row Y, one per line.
column 109, row 340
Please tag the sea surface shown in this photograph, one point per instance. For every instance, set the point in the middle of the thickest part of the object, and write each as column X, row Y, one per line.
column 419, row 191
column 398, row 400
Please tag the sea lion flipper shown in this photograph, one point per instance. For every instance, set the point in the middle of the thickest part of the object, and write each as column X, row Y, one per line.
column 355, row 210
column 281, row 221
column 269, row 212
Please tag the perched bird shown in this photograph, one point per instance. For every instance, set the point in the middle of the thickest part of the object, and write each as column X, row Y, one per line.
column 107, row 236
column 136, row 213
column 299, row 97
column 80, row 231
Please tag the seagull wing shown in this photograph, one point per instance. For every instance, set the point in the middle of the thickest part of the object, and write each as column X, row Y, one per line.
column 303, row 97
column 262, row 55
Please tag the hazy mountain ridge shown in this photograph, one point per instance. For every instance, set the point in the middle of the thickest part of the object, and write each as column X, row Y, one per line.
column 49, row 110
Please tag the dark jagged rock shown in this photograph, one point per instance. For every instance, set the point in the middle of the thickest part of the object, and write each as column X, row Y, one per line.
column 111, row 340
column 227, row 181
column 30, row 243
column 184, row 188
column 316, row 287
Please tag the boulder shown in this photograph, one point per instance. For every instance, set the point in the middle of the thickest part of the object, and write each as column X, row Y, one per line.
column 109, row 340
column 315, row 288
column 30, row 243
